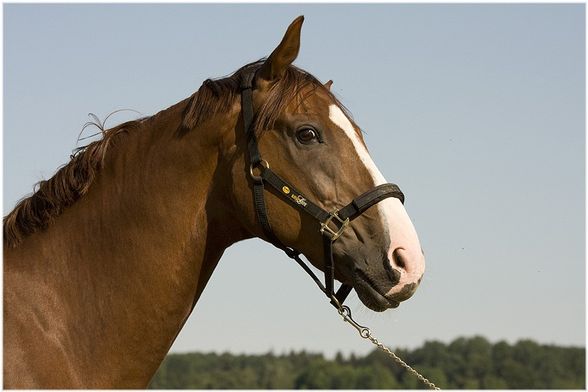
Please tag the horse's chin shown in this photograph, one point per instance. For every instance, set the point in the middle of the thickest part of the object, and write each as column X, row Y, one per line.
column 370, row 297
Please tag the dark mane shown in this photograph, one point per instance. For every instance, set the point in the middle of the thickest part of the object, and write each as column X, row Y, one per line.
column 50, row 197
column 73, row 180
column 218, row 96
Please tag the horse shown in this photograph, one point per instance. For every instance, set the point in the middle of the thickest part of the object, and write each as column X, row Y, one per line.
column 105, row 261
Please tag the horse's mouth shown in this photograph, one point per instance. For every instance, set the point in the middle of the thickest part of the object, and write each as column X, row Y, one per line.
column 369, row 295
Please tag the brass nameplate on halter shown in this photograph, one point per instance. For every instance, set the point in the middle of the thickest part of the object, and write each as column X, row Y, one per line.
column 334, row 233
column 299, row 200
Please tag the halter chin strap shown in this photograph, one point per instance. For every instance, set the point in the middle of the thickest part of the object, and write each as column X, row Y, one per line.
column 332, row 223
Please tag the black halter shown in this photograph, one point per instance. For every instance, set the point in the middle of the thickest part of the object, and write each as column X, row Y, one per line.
column 332, row 224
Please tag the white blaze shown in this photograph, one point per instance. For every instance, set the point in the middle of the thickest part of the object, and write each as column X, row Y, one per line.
column 394, row 217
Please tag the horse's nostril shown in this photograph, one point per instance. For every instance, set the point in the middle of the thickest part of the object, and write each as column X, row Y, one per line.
column 398, row 258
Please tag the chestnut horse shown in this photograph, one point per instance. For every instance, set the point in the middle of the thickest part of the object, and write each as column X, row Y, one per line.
column 104, row 262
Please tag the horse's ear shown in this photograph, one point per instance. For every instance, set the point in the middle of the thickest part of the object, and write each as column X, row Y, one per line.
column 276, row 64
column 328, row 85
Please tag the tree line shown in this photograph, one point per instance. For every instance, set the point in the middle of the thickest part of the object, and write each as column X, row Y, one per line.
column 465, row 363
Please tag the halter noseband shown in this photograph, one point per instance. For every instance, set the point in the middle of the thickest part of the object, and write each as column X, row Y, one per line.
column 332, row 224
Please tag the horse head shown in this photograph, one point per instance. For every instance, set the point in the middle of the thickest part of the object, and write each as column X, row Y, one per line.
column 310, row 140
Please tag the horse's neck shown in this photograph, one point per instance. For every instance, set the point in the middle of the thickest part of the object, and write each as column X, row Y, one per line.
column 126, row 262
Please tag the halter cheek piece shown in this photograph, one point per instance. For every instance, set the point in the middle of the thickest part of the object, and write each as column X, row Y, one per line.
column 332, row 224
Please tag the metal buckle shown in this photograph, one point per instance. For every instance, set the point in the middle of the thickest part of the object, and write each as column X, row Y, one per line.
column 325, row 225
column 263, row 163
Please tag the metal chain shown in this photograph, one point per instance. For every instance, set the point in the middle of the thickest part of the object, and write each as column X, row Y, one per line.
column 403, row 364
column 365, row 333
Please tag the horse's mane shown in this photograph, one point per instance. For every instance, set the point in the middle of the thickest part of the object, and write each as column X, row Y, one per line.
column 218, row 96
column 73, row 179
column 50, row 197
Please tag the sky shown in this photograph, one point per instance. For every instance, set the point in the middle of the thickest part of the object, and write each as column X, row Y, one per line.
column 476, row 111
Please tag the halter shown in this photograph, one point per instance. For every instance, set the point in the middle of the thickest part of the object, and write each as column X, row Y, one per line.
column 331, row 223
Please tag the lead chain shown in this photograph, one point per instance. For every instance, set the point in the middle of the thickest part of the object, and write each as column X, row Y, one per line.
column 365, row 333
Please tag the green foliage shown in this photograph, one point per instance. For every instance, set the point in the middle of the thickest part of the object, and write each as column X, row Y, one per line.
column 465, row 363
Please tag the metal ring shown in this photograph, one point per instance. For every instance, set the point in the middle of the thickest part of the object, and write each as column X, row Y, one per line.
column 345, row 311
column 263, row 163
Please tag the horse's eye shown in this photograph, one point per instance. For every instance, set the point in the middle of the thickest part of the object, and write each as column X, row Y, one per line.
column 306, row 135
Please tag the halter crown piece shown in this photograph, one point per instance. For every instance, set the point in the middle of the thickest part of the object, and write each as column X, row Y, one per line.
column 331, row 224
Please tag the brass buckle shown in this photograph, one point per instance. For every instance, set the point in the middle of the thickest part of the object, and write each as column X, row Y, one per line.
column 325, row 225
column 263, row 163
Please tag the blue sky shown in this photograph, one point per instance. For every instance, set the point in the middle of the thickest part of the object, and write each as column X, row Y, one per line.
column 476, row 111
